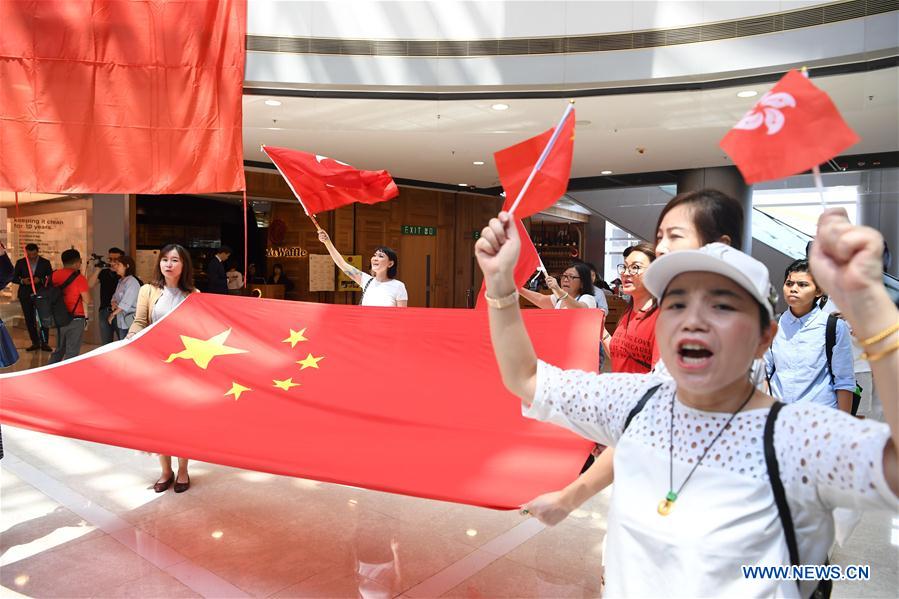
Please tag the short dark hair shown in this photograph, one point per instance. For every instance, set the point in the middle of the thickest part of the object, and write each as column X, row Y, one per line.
column 715, row 215
column 128, row 263
column 802, row 265
column 644, row 248
column 186, row 281
column 115, row 250
column 224, row 249
column 391, row 255
column 70, row 256
column 31, row 247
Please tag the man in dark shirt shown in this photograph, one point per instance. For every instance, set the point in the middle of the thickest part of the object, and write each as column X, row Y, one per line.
column 108, row 280
column 40, row 271
column 215, row 271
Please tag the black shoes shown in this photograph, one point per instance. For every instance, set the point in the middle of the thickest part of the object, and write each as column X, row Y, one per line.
column 182, row 487
column 46, row 347
column 161, row 487
column 33, row 347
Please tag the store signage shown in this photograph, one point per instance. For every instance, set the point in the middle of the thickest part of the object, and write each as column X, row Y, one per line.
column 418, row 230
column 286, row 252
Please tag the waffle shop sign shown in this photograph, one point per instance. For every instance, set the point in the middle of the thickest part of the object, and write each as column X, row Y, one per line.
column 286, row 252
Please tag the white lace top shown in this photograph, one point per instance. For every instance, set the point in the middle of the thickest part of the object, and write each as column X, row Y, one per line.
column 827, row 459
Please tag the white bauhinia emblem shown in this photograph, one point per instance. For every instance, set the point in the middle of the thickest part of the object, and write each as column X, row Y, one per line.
column 767, row 111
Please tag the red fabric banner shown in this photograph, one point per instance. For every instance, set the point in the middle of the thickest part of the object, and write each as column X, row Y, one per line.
column 528, row 262
column 329, row 392
column 106, row 96
column 515, row 163
column 791, row 129
column 322, row 183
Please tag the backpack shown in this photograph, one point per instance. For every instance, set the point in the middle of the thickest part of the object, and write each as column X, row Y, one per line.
column 830, row 341
column 825, row 586
column 50, row 305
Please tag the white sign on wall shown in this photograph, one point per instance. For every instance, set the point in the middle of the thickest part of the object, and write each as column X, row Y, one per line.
column 53, row 233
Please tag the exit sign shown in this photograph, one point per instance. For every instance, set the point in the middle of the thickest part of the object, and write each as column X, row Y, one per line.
column 418, row 230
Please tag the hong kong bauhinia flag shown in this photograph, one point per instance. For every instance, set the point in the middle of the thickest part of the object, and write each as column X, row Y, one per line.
column 321, row 183
column 791, row 129
column 515, row 163
column 401, row 400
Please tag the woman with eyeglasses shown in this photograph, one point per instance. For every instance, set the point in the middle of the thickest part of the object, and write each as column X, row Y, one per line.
column 633, row 345
column 574, row 289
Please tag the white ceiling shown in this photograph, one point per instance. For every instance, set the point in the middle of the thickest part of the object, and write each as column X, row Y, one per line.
column 438, row 141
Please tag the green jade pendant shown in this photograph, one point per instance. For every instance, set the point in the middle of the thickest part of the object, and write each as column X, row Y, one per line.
column 666, row 505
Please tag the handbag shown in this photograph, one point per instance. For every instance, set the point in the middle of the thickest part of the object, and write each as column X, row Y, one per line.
column 9, row 355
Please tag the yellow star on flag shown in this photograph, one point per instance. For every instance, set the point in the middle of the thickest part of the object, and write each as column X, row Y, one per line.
column 295, row 337
column 203, row 351
column 310, row 361
column 236, row 390
column 286, row 384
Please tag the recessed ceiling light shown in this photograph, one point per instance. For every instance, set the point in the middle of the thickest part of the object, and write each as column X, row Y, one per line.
column 605, row 173
column 272, row 103
column 478, row 163
column 463, row 184
column 500, row 107
column 748, row 93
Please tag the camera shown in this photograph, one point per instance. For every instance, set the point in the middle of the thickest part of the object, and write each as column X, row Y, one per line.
column 99, row 262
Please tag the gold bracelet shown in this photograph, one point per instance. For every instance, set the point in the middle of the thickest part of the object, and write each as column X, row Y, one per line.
column 564, row 296
column 874, row 357
column 880, row 336
column 502, row 302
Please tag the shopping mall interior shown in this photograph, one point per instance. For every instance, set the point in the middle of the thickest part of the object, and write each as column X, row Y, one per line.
column 430, row 91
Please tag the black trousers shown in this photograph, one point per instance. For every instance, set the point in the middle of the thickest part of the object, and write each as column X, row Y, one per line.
column 31, row 322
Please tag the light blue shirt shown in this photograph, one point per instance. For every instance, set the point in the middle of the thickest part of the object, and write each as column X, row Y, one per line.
column 125, row 297
column 799, row 360
column 601, row 302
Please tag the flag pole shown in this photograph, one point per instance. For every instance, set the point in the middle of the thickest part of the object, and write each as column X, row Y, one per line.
column 543, row 156
column 816, row 171
column 819, row 185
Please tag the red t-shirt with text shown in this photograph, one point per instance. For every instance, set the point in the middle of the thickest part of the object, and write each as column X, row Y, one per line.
column 72, row 293
column 633, row 346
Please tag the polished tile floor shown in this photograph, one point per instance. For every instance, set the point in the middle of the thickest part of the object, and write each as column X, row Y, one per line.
column 79, row 519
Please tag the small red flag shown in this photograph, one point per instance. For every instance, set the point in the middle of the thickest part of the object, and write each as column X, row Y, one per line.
column 791, row 129
column 322, row 183
column 528, row 262
column 515, row 164
column 281, row 387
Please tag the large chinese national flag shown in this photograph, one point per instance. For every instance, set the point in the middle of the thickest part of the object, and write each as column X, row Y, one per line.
column 401, row 400
column 514, row 165
column 321, row 183
column 791, row 129
column 113, row 96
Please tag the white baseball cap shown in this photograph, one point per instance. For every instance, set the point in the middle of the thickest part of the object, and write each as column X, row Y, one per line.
column 742, row 269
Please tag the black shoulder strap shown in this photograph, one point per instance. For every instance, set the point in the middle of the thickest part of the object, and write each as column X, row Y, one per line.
column 780, row 496
column 69, row 280
column 640, row 405
column 830, row 340
column 365, row 288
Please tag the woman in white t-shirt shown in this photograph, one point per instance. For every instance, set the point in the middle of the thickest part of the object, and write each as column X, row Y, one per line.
column 380, row 288
column 712, row 474
column 575, row 291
